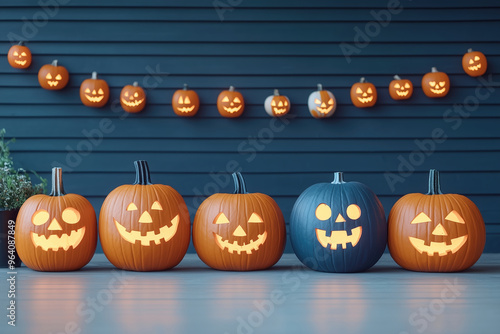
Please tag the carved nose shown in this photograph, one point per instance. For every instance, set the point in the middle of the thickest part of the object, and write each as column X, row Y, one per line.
column 145, row 218
column 323, row 105
column 239, row 232
column 54, row 225
column 340, row 219
column 439, row 230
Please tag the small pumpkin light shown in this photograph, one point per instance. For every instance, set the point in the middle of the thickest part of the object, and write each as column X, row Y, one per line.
column 241, row 231
column 185, row 102
column 230, row 103
column 56, row 232
column 53, row 77
column 436, row 232
column 435, row 84
column 277, row 105
column 338, row 226
column 363, row 94
column 94, row 92
column 19, row 56
column 400, row 89
column 322, row 103
column 133, row 98
column 144, row 226
column 474, row 63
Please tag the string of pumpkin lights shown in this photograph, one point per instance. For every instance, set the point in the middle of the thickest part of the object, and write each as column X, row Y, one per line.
column 95, row 93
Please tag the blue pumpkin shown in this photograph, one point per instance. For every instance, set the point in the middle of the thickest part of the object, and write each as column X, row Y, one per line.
column 338, row 227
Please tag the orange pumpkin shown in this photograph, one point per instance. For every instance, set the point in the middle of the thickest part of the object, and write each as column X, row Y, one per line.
column 94, row 92
column 277, row 105
column 239, row 231
column 185, row 102
column 435, row 232
column 400, row 89
column 133, row 98
column 230, row 103
column 144, row 226
column 435, row 84
column 57, row 232
column 363, row 94
column 19, row 56
column 53, row 77
column 322, row 103
column 474, row 63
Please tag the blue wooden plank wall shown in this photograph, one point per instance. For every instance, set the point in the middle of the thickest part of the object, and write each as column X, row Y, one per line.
column 257, row 46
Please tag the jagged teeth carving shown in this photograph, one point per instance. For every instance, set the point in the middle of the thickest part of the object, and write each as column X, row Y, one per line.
column 166, row 233
column 236, row 247
column 339, row 238
column 55, row 242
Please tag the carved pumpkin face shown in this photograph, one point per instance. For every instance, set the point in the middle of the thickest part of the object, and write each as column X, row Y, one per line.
column 338, row 227
column 435, row 84
column 56, row 232
column 400, row 89
column 435, row 232
column 474, row 63
column 322, row 103
column 363, row 94
column 19, row 56
column 185, row 102
column 53, row 77
column 144, row 227
column 133, row 98
column 277, row 105
column 230, row 103
column 94, row 92
column 239, row 231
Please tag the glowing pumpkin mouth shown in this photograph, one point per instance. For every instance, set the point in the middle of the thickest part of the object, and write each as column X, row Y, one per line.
column 53, row 83
column 365, row 99
column 339, row 238
column 232, row 110
column 404, row 93
column 279, row 110
column 20, row 62
column 438, row 247
column 133, row 103
column 324, row 110
column 185, row 109
column 474, row 68
column 166, row 233
column 94, row 99
column 54, row 242
column 438, row 91
column 236, row 247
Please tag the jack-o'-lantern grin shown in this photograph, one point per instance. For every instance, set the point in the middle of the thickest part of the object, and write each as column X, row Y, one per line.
column 437, row 87
column 364, row 98
column 165, row 233
column 134, row 100
column 93, row 96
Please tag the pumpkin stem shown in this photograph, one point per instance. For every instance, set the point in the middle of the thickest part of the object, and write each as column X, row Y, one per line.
column 185, row 87
column 397, row 77
column 469, row 50
column 54, row 62
column 231, row 88
column 142, row 174
column 94, row 75
column 362, row 79
column 338, row 178
column 135, row 84
column 320, row 87
column 239, row 184
column 434, row 70
column 21, row 43
column 57, row 183
column 434, row 184
column 276, row 92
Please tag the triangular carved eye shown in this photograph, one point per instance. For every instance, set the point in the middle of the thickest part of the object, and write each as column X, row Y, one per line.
column 48, row 76
column 236, row 100
column 187, row 100
column 221, row 219
column 273, row 103
column 225, row 99
column 317, row 101
column 180, row 100
column 156, row 206
column 476, row 58
column 421, row 218
column 58, row 77
column 407, row 85
column 255, row 218
column 397, row 86
column 101, row 92
column 131, row 207
column 359, row 91
column 369, row 91
column 455, row 217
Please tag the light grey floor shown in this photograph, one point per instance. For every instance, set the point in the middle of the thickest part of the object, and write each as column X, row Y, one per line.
column 287, row 299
